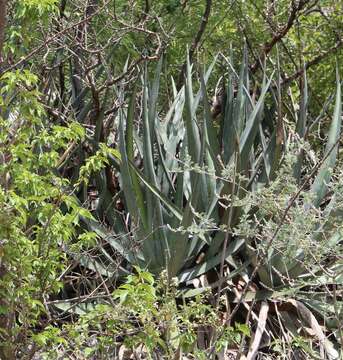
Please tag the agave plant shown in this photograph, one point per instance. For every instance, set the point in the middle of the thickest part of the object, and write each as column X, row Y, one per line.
column 183, row 156
column 189, row 185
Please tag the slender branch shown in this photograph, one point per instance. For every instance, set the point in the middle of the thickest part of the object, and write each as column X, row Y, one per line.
column 313, row 62
column 201, row 30
column 196, row 41
column 268, row 46
column 55, row 37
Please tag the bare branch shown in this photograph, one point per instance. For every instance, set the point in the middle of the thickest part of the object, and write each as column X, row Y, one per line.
column 268, row 46
column 313, row 62
column 55, row 37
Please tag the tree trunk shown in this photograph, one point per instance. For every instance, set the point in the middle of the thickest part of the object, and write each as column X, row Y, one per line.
column 3, row 6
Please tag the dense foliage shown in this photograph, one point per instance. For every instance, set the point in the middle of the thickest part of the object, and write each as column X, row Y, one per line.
column 170, row 179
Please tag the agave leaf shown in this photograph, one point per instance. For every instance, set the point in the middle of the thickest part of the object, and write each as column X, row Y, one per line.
column 126, row 179
column 205, row 186
column 210, row 136
column 105, row 203
column 180, row 186
column 118, row 242
column 248, row 136
column 143, row 212
column 75, row 308
column 196, row 183
column 90, row 263
column 239, row 104
column 266, row 158
column 334, row 275
column 77, row 92
column 301, row 126
column 158, row 239
column 130, row 158
column 234, row 115
column 253, row 296
column 321, row 182
column 323, row 112
column 129, row 126
column 278, row 142
column 153, row 93
column 191, row 293
column 231, row 121
column 193, row 136
column 204, row 78
column 166, row 202
column 172, row 131
column 244, row 102
column 197, row 270
column 178, row 242
column 265, row 155
column 165, row 173
column 99, row 121
column 185, row 293
column 329, row 231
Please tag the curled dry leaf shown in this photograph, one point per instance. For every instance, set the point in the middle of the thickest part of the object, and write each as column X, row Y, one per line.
column 308, row 319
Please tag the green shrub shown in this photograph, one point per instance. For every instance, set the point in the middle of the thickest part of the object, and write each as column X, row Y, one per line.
column 142, row 317
column 38, row 213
